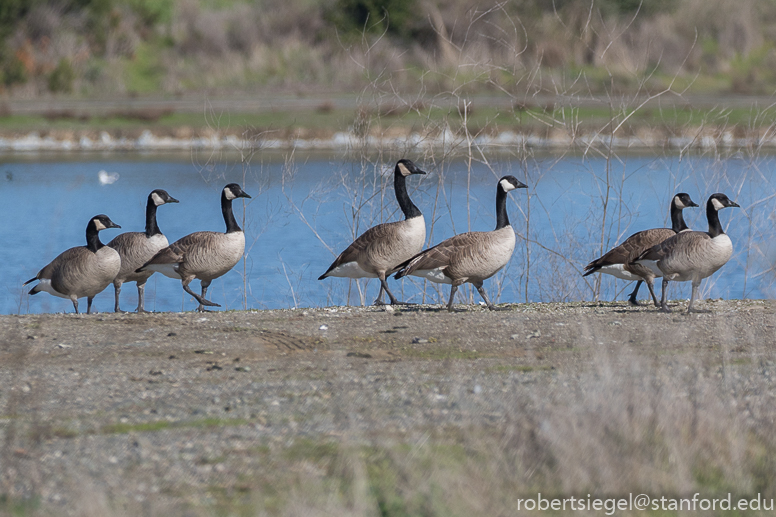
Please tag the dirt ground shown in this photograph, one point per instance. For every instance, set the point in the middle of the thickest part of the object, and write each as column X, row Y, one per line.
column 390, row 410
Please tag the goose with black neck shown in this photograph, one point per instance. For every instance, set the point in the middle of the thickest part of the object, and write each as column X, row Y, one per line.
column 378, row 252
column 619, row 261
column 83, row 271
column 469, row 257
column 693, row 256
column 136, row 248
column 204, row 255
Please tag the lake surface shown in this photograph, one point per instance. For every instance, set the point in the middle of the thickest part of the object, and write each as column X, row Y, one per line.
column 305, row 211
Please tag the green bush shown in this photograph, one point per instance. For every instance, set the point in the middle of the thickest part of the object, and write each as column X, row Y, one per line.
column 398, row 17
column 62, row 78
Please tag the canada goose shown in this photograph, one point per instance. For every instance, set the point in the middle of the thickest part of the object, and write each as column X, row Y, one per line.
column 136, row 248
column 83, row 270
column 377, row 252
column 203, row 255
column 469, row 257
column 619, row 261
column 692, row 256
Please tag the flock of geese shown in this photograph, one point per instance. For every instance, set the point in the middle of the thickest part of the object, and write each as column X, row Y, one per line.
column 396, row 248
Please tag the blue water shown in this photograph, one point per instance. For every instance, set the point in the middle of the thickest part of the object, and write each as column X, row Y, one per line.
column 305, row 211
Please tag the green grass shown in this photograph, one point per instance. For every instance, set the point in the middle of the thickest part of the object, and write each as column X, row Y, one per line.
column 486, row 117
column 160, row 425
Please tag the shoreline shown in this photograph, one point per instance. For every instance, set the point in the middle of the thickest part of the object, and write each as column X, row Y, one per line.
column 149, row 141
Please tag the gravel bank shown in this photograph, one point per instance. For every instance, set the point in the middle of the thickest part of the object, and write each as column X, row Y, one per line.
column 260, row 412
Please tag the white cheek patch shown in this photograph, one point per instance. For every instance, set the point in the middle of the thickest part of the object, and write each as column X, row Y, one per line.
column 98, row 224
column 678, row 202
column 404, row 170
column 229, row 194
column 506, row 185
column 157, row 199
column 716, row 204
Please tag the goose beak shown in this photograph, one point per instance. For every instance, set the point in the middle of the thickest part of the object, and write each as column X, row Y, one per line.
column 693, row 203
column 172, row 200
column 244, row 194
column 733, row 204
column 520, row 184
column 113, row 225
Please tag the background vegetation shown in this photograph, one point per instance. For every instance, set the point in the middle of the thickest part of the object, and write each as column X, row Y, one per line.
column 109, row 47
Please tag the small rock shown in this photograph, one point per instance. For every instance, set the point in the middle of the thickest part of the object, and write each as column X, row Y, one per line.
column 477, row 389
column 389, row 308
column 207, row 352
column 323, row 327
column 418, row 340
column 360, row 355
column 63, row 345
column 515, row 336
column 170, row 334
column 534, row 334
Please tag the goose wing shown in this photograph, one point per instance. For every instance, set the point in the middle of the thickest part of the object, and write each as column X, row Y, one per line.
column 443, row 254
column 369, row 238
column 630, row 249
column 176, row 252
column 67, row 261
column 677, row 243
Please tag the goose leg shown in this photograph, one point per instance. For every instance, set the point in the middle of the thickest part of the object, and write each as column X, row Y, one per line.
column 141, row 297
column 663, row 296
column 204, row 285
column 632, row 297
column 89, row 304
column 75, row 303
column 384, row 287
column 379, row 299
column 484, row 295
column 693, row 297
column 453, row 289
column 202, row 301
column 651, row 287
column 116, row 292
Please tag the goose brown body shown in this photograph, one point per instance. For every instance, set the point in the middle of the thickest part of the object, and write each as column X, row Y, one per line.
column 83, row 271
column 471, row 257
column 136, row 248
column 203, row 255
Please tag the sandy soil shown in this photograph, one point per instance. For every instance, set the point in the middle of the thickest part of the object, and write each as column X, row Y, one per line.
column 169, row 414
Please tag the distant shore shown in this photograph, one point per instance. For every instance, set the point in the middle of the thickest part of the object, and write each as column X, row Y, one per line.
column 186, row 139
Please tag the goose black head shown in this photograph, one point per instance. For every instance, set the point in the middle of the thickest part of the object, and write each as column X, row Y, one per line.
column 719, row 201
column 682, row 200
column 508, row 183
column 160, row 197
column 233, row 191
column 406, row 167
column 102, row 222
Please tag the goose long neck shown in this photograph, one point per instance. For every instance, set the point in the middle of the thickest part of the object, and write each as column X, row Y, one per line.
column 151, row 228
column 226, row 209
column 502, row 219
column 93, row 238
column 712, row 215
column 405, row 203
column 677, row 219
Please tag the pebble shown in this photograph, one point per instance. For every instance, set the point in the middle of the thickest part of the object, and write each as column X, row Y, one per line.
column 323, row 327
